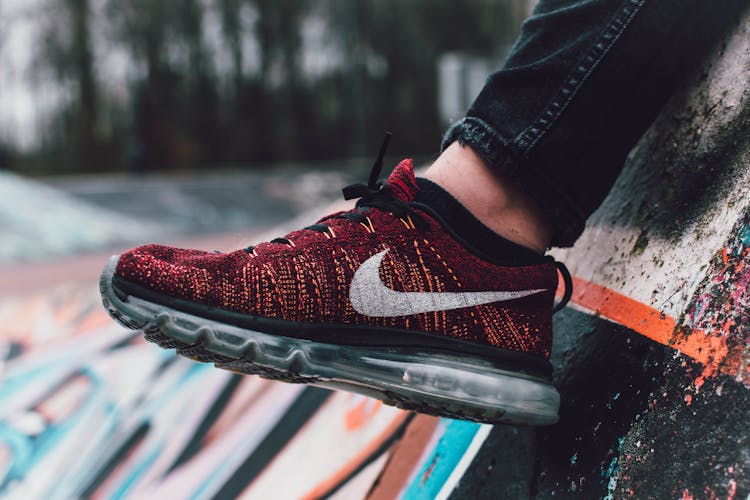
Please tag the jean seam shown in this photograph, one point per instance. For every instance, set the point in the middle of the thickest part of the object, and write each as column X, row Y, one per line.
column 531, row 136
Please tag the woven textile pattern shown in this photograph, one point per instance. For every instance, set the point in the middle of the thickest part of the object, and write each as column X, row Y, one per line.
column 308, row 279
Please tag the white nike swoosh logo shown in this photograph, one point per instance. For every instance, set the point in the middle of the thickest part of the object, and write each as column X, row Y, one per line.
column 371, row 297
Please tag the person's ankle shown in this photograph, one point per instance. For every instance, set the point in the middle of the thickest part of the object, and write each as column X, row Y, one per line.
column 493, row 198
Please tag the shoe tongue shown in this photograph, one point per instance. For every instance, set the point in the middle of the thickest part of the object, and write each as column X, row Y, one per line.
column 402, row 181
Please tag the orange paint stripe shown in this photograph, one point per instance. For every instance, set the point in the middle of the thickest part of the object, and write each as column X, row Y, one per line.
column 359, row 415
column 649, row 322
column 623, row 310
column 405, row 458
column 345, row 471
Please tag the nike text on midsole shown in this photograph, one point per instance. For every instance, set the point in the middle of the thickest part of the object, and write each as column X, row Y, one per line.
column 346, row 335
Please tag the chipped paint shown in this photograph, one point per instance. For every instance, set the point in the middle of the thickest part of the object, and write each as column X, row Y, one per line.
column 722, row 305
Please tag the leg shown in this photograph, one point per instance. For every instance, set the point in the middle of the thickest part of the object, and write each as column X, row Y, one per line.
column 582, row 84
column 492, row 196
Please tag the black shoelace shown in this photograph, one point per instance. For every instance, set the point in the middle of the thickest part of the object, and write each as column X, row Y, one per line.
column 374, row 194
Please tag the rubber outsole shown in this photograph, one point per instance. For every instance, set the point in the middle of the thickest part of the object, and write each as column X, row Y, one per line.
column 463, row 387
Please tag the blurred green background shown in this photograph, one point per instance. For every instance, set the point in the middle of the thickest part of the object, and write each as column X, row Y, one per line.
column 145, row 85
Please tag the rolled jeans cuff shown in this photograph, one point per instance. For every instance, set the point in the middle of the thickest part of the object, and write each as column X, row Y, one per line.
column 568, row 219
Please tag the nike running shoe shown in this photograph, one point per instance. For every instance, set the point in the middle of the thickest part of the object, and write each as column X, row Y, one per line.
column 407, row 298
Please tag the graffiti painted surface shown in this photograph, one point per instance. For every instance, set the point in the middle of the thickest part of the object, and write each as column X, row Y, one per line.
column 88, row 409
column 651, row 360
column 643, row 419
column 722, row 305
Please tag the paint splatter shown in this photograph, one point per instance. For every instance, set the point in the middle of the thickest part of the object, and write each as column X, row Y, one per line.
column 721, row 309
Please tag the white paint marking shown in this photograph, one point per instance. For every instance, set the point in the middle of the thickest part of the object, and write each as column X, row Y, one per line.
column 465, row 462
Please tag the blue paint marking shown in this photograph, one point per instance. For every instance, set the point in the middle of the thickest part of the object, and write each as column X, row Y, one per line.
column 746, row 236
column 30, row 451
column 155, row 441
column 439, row 465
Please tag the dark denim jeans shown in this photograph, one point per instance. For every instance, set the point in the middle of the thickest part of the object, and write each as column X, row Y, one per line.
column 583, row 82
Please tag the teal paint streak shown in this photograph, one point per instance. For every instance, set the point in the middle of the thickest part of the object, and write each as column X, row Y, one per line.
column 439, row 465
column 745, row 238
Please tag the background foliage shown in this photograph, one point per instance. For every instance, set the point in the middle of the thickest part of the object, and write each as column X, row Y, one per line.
column 246, row 82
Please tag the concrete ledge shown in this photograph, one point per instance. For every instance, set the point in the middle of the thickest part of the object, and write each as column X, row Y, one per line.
column 652, row 357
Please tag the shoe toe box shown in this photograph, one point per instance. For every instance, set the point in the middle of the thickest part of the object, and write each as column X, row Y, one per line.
column 182, row 273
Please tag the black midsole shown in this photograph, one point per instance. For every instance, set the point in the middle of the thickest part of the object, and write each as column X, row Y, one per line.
column 345, row 335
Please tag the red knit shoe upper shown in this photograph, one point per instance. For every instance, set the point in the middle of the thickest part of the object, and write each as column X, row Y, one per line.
column 307, row 277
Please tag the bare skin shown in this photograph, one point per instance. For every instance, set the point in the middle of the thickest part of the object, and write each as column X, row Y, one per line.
column 493, row 198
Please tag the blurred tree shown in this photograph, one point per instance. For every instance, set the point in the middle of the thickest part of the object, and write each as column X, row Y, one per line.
column 261, row 81
column 83, row 69
column 143, row 27
column 200, row 108
column 391, row 61
column 238, row 125
column 232, row 30
column 280, row 110
column 68, row 53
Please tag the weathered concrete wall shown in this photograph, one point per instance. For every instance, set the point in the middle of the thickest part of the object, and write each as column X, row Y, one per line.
column 652, row 359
